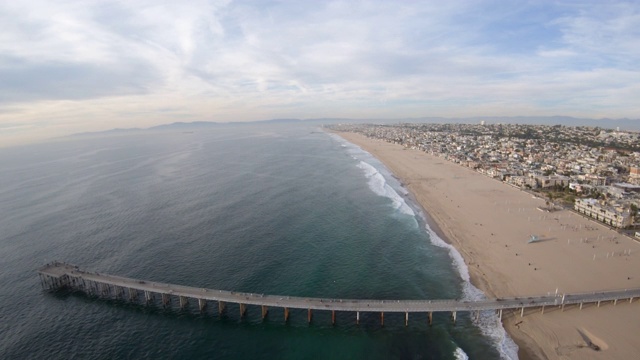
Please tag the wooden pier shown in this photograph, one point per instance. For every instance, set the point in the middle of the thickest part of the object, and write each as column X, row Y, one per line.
column 58, row 275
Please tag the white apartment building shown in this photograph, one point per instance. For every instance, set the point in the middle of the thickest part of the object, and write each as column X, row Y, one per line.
column 611, row 216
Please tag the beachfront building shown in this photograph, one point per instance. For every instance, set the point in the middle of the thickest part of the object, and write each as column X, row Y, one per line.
column 634, row 174
column 519, row 181
column 594, row 180
column 552, row 180
column 612, row 216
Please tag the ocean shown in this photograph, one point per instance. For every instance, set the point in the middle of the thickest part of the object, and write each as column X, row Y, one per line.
column 282, row 209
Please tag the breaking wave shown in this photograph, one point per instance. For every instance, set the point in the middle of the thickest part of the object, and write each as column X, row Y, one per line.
column 379, row 186
column 487, row 322
column 460, row 354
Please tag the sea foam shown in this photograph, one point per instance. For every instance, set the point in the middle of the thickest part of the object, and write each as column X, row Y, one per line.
column 460, row 354
column 376, row 180
column 378, row 184
column 487, row 321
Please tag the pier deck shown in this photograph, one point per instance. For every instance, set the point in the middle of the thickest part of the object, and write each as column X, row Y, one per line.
column 59, row 275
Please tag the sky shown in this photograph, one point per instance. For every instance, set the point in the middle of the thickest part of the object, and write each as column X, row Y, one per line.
column 77, row 66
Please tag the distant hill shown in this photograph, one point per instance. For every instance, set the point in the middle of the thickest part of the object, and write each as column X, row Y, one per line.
column 184, row 126
column 623, row 124
column 206, row 124
column 277, row 121
column 106, row 132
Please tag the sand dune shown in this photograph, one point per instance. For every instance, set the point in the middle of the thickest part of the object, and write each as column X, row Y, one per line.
column 490, row 224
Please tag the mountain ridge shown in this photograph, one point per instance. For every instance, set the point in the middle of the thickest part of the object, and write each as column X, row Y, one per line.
column 607, row 123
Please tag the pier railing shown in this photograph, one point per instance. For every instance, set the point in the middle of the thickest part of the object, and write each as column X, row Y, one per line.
column 58, row 275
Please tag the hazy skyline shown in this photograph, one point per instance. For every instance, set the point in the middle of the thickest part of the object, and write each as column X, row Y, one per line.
column 74, row 66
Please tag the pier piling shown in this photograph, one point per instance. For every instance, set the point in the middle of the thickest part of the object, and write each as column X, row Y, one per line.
column 148, row 296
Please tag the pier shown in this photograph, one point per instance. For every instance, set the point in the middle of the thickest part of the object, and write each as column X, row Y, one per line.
column 57, row 275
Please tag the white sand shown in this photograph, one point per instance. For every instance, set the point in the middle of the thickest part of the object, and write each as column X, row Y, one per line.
column 490, row 222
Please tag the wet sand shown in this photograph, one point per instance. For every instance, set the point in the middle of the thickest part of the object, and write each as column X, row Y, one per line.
column 490, row 222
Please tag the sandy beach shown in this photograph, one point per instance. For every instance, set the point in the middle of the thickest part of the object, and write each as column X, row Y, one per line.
column 490, row 223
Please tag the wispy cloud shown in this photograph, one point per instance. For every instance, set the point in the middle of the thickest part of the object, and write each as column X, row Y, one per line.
column 83, row 65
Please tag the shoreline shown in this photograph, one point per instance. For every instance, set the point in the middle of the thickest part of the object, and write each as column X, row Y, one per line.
column 493, row 244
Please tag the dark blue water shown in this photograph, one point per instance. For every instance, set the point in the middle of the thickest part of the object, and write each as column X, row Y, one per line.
column 263, row 208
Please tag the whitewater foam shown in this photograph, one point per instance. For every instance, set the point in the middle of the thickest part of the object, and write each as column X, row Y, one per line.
column 487, row 322
column 460, row 354
column 376, row 180
column 378, row 184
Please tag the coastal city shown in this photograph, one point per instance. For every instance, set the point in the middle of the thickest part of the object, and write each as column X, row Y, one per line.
column 594, row 171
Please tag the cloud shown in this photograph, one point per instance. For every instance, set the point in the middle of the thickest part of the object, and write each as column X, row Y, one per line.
column 609, row 33
column 23, row 82
column 54, row 53
column 121, row 62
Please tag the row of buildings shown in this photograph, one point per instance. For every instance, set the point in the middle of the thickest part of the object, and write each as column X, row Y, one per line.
column 600, row 165
column 617, row 217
